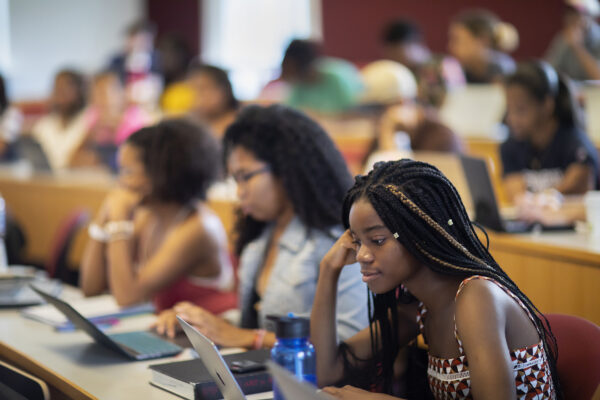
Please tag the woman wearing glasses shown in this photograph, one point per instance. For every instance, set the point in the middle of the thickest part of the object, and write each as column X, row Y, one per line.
column 291, row 182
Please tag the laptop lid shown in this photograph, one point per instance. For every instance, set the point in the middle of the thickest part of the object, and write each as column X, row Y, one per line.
column 483, row 197
column 85, row 325
column 291, row 387
column 214, row 363
column 31, row 150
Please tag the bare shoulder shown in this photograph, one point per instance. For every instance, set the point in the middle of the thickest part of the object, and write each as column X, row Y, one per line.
column 481, row 298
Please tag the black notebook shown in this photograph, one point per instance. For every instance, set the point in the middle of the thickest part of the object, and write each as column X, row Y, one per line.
column 190, row 379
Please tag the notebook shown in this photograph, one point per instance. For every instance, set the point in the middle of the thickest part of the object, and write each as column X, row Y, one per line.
column 139, row 345
column 190, row 379
column 485, row 206
column 216, row 366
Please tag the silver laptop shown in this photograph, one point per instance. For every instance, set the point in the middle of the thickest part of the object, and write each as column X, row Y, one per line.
column 216, row 366
column 291, row 387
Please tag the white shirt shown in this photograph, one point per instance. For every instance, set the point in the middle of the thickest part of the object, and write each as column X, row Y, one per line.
column 60, row 142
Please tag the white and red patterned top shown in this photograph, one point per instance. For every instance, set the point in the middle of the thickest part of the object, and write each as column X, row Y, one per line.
column 450, row 378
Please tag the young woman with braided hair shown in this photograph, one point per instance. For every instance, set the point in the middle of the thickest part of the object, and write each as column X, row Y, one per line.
column 428, row 273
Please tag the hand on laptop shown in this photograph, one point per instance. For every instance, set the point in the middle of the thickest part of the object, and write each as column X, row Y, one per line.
column 166, row 323
column 352, row 393
column 216, row 329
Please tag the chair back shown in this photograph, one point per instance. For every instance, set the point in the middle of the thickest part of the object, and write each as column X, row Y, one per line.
column 578, row 355
column 16, row 384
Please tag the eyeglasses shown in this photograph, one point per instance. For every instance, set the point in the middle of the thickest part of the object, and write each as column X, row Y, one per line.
column 245, row 177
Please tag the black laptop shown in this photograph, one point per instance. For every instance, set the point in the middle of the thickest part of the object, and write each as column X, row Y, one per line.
column 487, row 212
column 139, row 345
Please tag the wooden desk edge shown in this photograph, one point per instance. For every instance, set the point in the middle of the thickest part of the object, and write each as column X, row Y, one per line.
column 28, row 364
column 523, row 245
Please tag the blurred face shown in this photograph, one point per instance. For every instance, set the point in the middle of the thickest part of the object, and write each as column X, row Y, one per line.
column 107, row 92
column 384, row 262
column 64, row 94
column 463, row 45
column 209, row 98
column 261, row 194
column 132, row 174
column 139, row 42
column 411, row 54
column 523, row 113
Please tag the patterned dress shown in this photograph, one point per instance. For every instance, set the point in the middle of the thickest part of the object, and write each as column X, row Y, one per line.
column 450, row 378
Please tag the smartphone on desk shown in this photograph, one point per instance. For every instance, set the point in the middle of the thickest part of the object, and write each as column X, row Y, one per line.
column 242, row 366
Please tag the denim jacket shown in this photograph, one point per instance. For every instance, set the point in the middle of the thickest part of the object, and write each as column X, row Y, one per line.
column 293, row 281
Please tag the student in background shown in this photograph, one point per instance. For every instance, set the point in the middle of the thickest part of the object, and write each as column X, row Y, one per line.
column 11, row 120
column 404, row 124
column 154, row 236
column 62, row 132
column 479, row 40
column 403, row 42
column 291, row 181
column 575, row 51
column 547, row 149
column 214, row 103
column 111, row 120
column 319, row 84
column 427, row 273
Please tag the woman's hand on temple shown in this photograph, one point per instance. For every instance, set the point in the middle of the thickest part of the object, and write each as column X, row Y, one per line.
column 216, row 329
column 341, row 253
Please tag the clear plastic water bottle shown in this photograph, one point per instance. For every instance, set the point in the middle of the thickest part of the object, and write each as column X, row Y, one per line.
column 293, row 350
column 3, row 258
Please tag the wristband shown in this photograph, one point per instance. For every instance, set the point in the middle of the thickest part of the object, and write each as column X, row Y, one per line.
column 259, row 337
column 96, row 232
column 118, row 230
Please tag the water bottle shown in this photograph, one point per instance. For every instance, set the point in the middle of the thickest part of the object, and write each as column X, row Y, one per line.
column 3, row 258
column 293, row 350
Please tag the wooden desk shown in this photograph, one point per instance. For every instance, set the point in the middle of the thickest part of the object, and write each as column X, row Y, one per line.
column 40, row 203
column 559, row 272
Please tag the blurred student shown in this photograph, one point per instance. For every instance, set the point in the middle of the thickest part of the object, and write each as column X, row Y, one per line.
column 575, row 51
column 175, row 57
column 547, row 148
column 110, row 119
column 480, row 41
column 154, row 237
column 291, row 180
column 11, row 121
column 214, row 103
column 403, row 42
column 62, row 132
column 318, row 84
column 138, row 65
column 403, row 124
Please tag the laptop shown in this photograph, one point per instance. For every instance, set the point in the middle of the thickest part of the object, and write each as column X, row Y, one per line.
column 216, row 366
column 139, row 345
column 475, row 110
column 485, row 205
column 15, row 290
column 31, row 150
column 291, row 387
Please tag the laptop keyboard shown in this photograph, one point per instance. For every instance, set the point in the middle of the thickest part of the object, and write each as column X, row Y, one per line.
column 145, row 343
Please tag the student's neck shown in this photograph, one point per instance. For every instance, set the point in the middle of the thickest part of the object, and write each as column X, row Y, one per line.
column 284, row 218
column 436, row 291
column 544, row 135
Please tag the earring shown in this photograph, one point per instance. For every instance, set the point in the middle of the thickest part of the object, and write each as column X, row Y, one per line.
column 450, row 222
column 396, row 236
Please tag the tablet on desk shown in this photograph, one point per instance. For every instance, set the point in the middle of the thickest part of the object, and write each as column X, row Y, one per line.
column 139, row 345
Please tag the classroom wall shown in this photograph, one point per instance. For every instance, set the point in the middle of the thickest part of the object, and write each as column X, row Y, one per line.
column 181, row 17
column 351, row 28
column 48, row 35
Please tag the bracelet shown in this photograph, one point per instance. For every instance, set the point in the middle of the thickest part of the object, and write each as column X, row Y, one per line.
column 118, row 230
column 96, row 232
column 259, row 337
